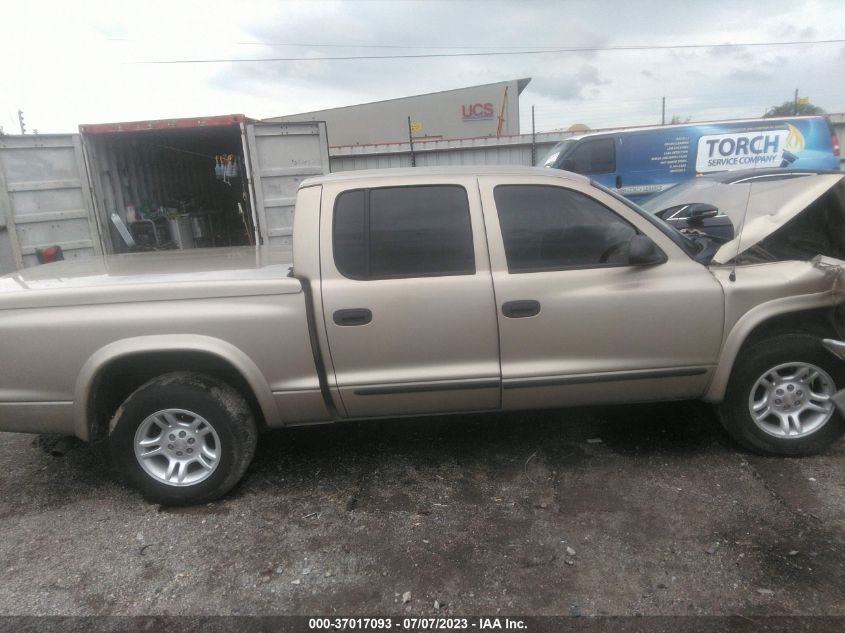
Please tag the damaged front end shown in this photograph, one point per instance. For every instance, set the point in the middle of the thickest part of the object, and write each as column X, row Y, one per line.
column 797, row 219
column 791, row 251
column 837, row 348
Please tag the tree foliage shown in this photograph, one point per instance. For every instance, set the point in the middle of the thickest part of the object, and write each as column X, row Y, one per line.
column 788, row 108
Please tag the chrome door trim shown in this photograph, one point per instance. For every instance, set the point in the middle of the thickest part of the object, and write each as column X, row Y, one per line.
column 580, row 379
column 424, row 387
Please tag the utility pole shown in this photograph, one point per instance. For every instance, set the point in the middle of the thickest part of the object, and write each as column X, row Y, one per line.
column 411, row 141
column 20, row 121
column 663, row 113
column 795, row 104
column 533, row 140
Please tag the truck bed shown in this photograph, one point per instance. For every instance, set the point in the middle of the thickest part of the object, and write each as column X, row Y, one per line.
column 75, row 317
column 177, row 274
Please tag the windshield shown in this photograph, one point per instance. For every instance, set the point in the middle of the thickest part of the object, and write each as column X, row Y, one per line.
column 552, row 157
column 658, row 201
column 689, row 246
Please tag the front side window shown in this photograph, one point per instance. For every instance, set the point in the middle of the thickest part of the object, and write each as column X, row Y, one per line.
column 395, row 232
column 551, row 159
column 594, row 157
column 553, row 228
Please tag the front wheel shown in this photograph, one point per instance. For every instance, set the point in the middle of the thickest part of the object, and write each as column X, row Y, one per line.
column 779, row 401
column 183, row 438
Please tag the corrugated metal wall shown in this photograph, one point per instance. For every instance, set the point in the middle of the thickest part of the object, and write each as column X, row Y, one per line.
column 506, row 150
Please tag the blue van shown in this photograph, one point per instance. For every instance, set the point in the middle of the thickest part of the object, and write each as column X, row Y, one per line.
column 638, row 162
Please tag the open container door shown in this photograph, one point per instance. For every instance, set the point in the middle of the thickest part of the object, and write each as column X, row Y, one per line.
column 165, row 184
column 281, row 156
column 45, row 199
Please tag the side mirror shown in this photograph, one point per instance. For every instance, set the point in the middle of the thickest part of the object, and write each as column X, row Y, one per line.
column 567, row 164
column 642, row 251
column 699, row 211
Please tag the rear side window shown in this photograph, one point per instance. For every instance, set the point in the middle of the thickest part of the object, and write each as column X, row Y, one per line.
column 594, row 157
column 396, row 232
column 552, row 228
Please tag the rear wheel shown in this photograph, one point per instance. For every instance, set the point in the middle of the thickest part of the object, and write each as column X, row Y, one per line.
column 183, row 438
column 779, row 397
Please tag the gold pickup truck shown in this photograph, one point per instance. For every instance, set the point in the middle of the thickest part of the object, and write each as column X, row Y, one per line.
column 427, row 291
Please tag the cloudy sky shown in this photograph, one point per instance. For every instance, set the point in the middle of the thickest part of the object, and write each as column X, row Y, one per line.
column 70, row 62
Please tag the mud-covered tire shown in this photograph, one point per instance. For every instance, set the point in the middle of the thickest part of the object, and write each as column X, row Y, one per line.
column 206, row 418
column 754, row 363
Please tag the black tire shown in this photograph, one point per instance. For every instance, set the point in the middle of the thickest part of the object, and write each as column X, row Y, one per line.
column 753, row 362
column 221, row 406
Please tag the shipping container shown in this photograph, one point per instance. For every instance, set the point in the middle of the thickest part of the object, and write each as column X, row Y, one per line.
column 153, row 185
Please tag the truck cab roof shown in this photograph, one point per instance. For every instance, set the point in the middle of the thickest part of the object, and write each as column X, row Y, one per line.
column 426, row 172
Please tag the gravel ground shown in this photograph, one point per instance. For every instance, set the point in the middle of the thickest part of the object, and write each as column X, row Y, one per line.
column 618, row 511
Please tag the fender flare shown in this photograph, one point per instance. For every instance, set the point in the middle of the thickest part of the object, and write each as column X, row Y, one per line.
column 746, row 325
column 167, row 343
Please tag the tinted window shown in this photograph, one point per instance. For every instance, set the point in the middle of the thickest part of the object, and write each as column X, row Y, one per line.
column 552, row 228
column 403, row 232
column 594, row 157
column 350, row 238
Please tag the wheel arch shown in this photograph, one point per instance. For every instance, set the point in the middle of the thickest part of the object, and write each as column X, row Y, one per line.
column 793, row 314
column 147, row 356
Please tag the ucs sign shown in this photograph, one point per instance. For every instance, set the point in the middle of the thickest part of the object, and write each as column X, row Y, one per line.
column 477, row 111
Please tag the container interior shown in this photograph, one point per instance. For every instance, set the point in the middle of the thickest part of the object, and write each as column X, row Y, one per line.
column 171, row 188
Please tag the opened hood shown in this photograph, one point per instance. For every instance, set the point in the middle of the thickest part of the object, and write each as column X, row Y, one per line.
column 770, row 205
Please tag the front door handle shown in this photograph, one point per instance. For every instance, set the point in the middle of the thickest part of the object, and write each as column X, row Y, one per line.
column 355, row 316
column 521, row 309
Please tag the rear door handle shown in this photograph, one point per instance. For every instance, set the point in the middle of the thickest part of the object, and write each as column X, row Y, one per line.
column 354, row 316
column 521, row 309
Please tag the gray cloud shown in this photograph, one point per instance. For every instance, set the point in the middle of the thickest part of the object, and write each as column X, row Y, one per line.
column 597, row 88
column 749, row 74
column 734, row 53
column 564, row 86
column 778, row 61
column 571, row 86
column 111, row 29
column 793, row 32
column 434, row 24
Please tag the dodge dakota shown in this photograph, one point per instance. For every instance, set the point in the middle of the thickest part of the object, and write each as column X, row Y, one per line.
column 427, row 291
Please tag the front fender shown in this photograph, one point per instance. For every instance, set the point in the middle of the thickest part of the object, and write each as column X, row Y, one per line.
column 168, row 343
column 746, row 324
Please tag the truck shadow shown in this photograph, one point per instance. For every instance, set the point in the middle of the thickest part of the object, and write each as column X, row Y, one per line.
column 395, row 464
column 671, row 428
column 463, row 448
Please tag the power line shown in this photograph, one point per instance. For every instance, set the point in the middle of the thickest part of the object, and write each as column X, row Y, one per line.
column 578, row 49
column 389, row 46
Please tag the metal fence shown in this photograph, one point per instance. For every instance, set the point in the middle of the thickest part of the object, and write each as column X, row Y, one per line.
column 506, row 150
column 520, row 149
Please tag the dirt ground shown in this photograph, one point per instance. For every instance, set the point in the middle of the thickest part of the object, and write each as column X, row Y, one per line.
column 617, row 511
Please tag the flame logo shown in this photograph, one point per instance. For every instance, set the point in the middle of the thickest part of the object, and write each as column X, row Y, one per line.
column 794, row 140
